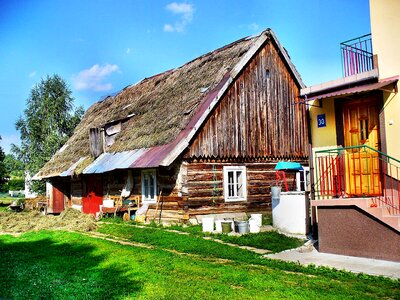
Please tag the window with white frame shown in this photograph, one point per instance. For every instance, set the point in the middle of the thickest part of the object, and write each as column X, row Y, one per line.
column 303, row 179
column 149, row 185
column 235, row 183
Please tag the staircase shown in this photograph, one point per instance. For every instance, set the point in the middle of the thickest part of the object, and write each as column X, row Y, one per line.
column 383, row 213
column 348, row 177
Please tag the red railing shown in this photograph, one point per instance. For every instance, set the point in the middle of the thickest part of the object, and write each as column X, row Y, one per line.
column 359, row 171
column 357, row 55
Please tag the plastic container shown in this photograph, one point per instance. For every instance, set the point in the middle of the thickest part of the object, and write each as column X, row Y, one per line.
column 232, row 222
column 258, row 218
column 242, row 227
column 226, row 226
column 208, row 224
column 254, row 227
column 275, row 192
column 218, row 226
column 108, row 203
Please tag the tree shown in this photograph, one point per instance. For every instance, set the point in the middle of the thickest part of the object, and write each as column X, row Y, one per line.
column 14, row 167
column 48, row 121
column 3, row 171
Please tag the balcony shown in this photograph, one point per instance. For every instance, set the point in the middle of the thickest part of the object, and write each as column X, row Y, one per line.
column 357, row 55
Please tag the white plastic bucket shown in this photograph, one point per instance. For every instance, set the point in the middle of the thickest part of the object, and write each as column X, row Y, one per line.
column 254, row 227
column 258, row 218
column 208, row 224
column 108, row 203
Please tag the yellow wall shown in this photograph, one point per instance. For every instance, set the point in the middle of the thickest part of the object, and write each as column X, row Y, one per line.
column 323, row 136
column 392, row 123
column 385, row 29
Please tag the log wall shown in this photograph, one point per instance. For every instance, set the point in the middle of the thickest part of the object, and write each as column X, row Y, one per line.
column 205, row 186
column 258, row 116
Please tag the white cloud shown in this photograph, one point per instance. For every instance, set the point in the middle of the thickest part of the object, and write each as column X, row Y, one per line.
column 254, row 26
column 128, row 51
column 168, row 28
column 93, row 78
column 181, row 8
column 32, row 74
column 185, row 11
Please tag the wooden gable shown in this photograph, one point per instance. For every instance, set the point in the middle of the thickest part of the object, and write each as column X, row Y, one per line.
column 257, row 116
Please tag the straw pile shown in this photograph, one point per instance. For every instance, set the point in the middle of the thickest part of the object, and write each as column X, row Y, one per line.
column 70, row 219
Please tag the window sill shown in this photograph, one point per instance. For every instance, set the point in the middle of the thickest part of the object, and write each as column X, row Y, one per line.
column 235, row 200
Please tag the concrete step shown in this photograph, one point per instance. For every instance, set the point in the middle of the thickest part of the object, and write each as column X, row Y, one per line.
column 393, row 221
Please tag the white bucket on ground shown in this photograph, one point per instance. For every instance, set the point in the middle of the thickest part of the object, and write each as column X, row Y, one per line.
column 218, row 226
column 254, row 227
column 258, row 218
column 208, row 224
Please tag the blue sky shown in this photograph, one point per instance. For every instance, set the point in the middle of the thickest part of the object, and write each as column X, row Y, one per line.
column 100, row 47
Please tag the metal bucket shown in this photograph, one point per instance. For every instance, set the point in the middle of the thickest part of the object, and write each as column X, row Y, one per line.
column 243, row 227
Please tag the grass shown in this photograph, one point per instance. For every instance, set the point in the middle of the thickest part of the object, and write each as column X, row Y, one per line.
column 196, row 245
column 270, row 240
column 65, row 265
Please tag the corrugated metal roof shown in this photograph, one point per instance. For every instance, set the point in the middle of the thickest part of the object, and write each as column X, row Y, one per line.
column 112, row 161
column 355, row 90
column 71, row 169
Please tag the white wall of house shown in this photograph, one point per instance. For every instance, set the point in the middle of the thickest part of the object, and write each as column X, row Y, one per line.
column 28, row 187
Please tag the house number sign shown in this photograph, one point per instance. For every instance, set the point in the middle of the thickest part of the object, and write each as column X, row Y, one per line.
column 321, row 120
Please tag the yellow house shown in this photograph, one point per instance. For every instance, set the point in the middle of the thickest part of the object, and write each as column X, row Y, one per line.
column 355, row 136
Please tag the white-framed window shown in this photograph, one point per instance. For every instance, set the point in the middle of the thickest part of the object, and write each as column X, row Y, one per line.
column 235, row 183
column 303, row 180
column 149, row 185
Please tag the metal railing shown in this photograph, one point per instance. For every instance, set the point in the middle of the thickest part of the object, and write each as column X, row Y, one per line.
column 357, row 55
column 358, row 171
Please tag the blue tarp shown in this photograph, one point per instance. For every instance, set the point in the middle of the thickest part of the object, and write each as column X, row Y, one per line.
column 288, row 165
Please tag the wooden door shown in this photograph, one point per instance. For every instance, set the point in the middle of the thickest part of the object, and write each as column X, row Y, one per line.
column 93, row 197
column 361, row 127
column 58, row 198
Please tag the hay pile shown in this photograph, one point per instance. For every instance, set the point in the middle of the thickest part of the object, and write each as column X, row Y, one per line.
column 70, row 219
column 161, row 105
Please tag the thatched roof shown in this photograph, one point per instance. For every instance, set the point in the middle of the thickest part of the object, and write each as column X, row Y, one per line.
column 156, row 109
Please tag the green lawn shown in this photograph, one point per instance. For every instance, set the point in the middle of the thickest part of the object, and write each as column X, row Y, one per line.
column 65, row 265
column 269, row 240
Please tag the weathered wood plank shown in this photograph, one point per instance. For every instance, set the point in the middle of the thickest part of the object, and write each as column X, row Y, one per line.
column 258, row 116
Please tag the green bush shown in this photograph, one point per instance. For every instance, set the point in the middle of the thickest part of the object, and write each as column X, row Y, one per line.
column 4, row 188
column 12, row 185
column 16, row 184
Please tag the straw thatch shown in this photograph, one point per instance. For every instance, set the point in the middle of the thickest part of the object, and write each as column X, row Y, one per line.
column 162, row 106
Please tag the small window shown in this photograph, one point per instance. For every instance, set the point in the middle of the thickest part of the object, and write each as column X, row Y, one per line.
column 303, row 180
column 149, row 186
column 235, row 183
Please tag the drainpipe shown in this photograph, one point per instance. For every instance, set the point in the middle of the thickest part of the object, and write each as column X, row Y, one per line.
column 310, row 155
column 313, row 209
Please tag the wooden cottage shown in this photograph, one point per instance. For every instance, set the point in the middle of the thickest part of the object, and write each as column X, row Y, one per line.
column 202, row 138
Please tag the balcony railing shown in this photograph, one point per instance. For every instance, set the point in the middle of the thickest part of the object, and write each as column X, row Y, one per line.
column 358, row 171
column 357, row 55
